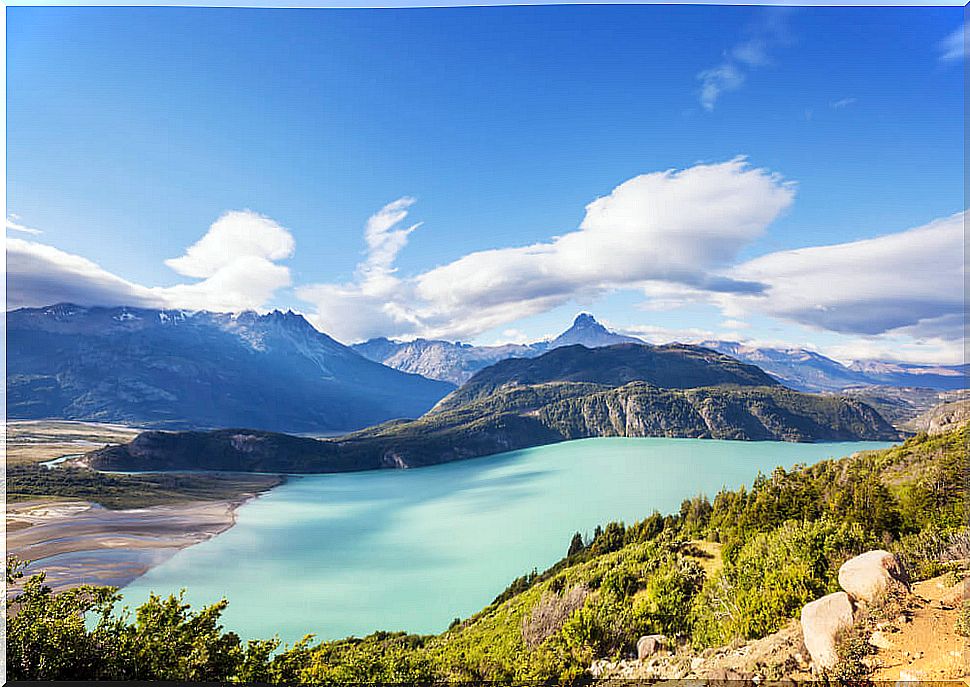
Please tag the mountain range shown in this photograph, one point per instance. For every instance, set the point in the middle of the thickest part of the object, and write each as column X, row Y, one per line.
column 179, row 369
column 457, row 362
column 798, row 368
column 807, row 370
column 572, row 392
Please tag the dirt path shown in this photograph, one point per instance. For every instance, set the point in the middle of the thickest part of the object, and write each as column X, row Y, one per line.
column 926, row 646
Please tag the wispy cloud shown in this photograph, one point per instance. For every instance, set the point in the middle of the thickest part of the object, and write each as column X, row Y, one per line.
column 13, row 223
column 236, row 263
column 843, row 103
column 954, row 47
column 750, row 54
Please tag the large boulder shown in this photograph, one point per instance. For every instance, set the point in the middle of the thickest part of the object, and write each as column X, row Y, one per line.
column 822, row 620
column 872, row 574
column 649, row 645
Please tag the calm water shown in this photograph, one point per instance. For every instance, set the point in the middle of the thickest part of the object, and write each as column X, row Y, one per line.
column 340, row 555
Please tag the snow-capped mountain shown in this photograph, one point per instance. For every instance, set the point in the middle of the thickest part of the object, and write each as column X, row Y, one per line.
column 177, row 368
column 457, row 362
column 806, row 370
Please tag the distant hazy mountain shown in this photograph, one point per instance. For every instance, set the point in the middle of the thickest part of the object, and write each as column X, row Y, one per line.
column 181, row 369
column 794, row 367
column 457, row 362
column 443, row 360
column 573, row 392
column 806, row 370
column 943, row 377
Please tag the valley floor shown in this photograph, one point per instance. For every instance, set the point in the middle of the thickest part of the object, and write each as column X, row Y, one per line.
column 85, row 528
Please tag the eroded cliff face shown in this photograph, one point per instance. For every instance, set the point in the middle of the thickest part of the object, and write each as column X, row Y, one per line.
column 640, row 410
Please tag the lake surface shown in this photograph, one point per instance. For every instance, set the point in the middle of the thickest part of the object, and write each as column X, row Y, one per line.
column 347, row 554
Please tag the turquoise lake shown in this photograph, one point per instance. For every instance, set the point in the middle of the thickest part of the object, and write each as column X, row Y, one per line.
column 347, row 554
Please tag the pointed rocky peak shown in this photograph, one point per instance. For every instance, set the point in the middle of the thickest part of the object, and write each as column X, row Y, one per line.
column 584, row 319
column 588, row 332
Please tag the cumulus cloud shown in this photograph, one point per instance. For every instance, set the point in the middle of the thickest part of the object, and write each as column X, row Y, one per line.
column 752, row 53
column 954, row 46
column 13, row 223
column 909, row 282
column 234, row 261
column 235, row 236
column 680, row 226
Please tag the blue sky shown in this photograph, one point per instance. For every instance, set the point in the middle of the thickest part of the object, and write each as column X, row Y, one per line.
column 132, row 131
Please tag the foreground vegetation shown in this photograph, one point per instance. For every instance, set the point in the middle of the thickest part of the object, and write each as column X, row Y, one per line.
column 781, row 542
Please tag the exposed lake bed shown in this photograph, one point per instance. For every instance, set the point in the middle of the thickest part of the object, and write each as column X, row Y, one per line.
column 347, row 554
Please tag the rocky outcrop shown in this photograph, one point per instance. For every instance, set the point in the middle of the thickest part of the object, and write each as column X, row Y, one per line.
column 864, row 579
column 822, row 622
column 871, row 575
column 948, row 416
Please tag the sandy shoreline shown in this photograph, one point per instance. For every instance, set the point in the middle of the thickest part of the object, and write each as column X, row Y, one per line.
column 77, row 542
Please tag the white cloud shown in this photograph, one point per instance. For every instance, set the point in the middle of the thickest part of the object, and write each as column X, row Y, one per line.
column 720, row 79
column 39, row 275
column 731, row 73
column 909, row 282
column 682, row 227
column 898, row 349
column 235, row 262
column 13, row 223
column 843, row 103
column 735, row 324
column 954, row 46
column 234, row 236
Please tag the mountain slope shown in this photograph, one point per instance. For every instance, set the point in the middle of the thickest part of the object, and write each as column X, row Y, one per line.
column 673, row 366
column 568, row 393
column 181, row 369
column 457, row 362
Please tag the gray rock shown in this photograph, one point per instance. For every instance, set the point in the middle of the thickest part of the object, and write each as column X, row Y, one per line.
column 649, row 645
column 870, row 575
column 822, row 620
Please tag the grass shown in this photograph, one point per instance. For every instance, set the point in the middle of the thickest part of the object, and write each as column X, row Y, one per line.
column 28, row 482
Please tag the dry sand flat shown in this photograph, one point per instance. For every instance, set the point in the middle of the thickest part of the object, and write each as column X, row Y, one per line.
column 77, row 542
